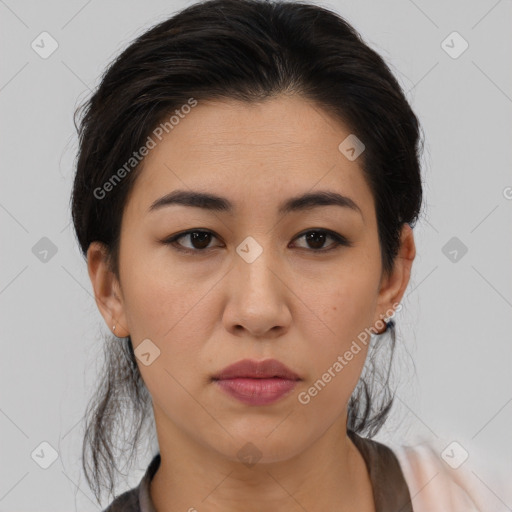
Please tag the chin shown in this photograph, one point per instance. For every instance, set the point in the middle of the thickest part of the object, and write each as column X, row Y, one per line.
column 259, row 446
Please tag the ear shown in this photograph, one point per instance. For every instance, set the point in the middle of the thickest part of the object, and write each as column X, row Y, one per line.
column 392, row 286
column 107, row 291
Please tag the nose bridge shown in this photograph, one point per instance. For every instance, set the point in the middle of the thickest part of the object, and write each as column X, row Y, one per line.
column 258, row 297
column 256, row 265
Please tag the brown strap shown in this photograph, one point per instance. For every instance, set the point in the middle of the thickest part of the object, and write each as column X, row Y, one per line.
column 390, row 490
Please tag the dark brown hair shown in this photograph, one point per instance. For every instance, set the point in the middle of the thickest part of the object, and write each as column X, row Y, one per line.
column 248, row 50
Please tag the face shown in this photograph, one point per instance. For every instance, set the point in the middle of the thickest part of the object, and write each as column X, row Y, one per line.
column 256, row 282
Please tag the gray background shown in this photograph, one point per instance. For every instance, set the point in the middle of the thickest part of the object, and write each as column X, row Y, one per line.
column 456, row 318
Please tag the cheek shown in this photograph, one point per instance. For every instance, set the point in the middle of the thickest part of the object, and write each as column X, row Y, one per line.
column 343, row 304
column 160, row 298
column 174, row 311
column 335, row 325
column 176, row 321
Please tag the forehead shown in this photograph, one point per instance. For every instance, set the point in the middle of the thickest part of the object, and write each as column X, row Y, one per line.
column 281, row 146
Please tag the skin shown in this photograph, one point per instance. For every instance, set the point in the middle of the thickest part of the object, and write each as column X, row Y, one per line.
column 207, row 310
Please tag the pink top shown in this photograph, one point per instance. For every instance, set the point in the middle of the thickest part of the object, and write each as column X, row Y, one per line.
column 444, row 481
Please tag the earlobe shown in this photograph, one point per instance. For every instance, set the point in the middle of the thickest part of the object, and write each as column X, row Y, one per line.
column 104, row 285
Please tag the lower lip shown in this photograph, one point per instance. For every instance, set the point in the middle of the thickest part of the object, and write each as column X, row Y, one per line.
column 257, row 391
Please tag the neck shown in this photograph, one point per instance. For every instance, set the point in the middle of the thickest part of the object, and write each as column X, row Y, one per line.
column 329, row 474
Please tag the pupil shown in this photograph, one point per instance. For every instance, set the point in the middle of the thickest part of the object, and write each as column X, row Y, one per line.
column 314, row 235
column 197, row 237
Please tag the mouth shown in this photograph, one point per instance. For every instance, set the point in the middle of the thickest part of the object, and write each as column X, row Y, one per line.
column 251, row 369
column 257, row 383
column 257, row 391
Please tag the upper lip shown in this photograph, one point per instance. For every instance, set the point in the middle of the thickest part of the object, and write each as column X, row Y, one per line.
column 249, row 368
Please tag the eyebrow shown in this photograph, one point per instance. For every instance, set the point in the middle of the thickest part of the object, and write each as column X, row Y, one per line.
column 216, row 203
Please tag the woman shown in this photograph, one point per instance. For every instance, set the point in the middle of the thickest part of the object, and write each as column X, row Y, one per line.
column 246, row 187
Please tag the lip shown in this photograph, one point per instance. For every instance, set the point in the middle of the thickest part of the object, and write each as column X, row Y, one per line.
column 257, row 391
column 257, row 382
column 251, row 369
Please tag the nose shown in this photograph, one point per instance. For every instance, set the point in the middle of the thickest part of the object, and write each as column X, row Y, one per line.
column 257, row 302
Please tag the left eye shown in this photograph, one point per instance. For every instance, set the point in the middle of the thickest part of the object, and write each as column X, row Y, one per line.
column 201, row 239
column 317, row 237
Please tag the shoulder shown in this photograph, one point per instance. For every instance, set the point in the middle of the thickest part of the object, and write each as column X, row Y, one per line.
column 438, row 481
column 126, row 502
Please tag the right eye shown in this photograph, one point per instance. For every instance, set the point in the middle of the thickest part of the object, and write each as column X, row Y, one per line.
column 198, row 238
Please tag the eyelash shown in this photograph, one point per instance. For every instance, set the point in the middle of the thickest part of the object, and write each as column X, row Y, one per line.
column 339, row 240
